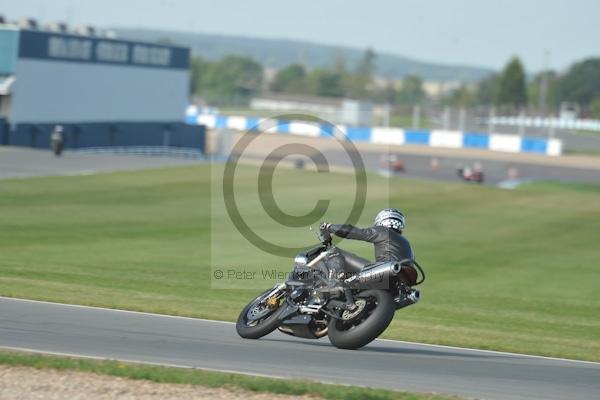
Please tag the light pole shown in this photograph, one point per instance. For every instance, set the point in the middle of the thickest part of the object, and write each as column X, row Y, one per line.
column 491, row 117
column 462, row 119
column 416, row 117
column 544, row 85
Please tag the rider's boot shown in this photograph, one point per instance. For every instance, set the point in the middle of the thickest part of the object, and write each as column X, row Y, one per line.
column 349, row 305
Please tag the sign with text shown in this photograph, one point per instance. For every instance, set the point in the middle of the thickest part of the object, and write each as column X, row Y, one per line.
column 63, row 47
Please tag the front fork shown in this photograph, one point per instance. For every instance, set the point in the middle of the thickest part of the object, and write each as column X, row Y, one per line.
column 272, row 298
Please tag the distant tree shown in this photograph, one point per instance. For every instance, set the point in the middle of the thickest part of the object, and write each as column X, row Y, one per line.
column 581, row 83
column 366, row 66
column 535, row 86
column 229, row 80
column 412, row 90
column 347, row 78
column 461, row 97
column 512, row 90
column 246, row 74
column 357, row 83
column 339, row 65
column 291, row 79
column 324, row 82
column 386, row 94
column 487, row 90
column 198, row 69
column 595, row 108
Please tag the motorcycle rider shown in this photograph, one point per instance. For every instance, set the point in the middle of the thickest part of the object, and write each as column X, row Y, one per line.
column 57, row 140
column 386, row 236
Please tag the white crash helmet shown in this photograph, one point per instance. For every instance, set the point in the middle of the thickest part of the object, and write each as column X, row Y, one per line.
column 390, row 218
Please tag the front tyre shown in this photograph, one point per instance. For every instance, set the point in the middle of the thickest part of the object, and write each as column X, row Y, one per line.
column 357, row 329
column 258, row 319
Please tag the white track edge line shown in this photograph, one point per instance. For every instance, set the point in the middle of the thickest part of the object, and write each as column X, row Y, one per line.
column 114, row 309
column 493, row 352
column 229, row 322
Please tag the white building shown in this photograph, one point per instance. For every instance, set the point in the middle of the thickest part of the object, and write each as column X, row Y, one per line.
column 102, row 91
column 335, row 110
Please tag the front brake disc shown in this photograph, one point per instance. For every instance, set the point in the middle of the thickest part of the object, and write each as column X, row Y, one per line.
column 348, row 315
column 257, row 312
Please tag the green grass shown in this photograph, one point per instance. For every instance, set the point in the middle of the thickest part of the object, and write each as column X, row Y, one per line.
column 586, row 132
column 507, row 270
column 249, row 112
column 592, row 152
column 406, row 121
column 550, row 186
column 209, row 378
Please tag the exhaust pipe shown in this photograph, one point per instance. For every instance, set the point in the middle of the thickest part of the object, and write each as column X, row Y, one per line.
column 407, row 298
column 376, row 277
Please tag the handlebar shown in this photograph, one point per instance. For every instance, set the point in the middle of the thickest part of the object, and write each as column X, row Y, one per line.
column 325, row 237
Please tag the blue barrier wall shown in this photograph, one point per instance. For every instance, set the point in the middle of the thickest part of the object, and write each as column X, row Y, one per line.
column 476, row 140
column 386, row 135
column 173, row 134
column 534, row 145
column 283, row 126
column 359, row 134
column 416, row 137
column 3, row 131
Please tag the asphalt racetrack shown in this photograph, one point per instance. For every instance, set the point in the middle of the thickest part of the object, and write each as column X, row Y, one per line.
column 495, row 171
column 16, row 162
column 417, row 160
column 187, row 342
column 22, row 162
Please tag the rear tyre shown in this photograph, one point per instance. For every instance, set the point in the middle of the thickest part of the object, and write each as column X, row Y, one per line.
column 257, row 320
column 355, row 331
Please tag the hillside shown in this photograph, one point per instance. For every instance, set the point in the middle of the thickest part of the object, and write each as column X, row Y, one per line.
column 280, row 52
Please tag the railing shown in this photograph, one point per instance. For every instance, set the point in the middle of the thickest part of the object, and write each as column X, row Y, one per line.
column 539, row 122
column 153, row 151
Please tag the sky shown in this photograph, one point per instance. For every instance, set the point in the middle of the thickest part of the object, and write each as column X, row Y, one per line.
column 468, row 32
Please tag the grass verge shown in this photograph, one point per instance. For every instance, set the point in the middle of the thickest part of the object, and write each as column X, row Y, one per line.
column 209, row 378
column 583, row 152
column 504, row 268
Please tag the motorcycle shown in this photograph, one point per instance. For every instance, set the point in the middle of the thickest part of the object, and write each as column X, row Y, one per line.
column 352, row 306
column 471, row 175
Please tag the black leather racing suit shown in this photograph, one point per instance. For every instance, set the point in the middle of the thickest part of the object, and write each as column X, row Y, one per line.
column 389, row 244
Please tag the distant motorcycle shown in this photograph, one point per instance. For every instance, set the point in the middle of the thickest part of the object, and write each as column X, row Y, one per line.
column 313, row 302
column 472, row 175
column 392, row 163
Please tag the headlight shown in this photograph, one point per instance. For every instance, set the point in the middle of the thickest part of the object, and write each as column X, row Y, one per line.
column 300, row 260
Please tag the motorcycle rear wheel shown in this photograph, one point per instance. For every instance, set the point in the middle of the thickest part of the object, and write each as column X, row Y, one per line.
column 256, row 328
column 367, row 325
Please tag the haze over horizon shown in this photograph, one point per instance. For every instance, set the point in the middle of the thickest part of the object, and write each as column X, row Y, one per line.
column 462, row 32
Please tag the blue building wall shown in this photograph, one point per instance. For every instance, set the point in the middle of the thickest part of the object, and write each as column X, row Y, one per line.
column 173, row 134
column 3, row 131
column 73, row 78
column 9, row 44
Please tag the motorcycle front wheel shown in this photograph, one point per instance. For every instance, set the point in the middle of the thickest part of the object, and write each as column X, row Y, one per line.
column 258, row 319
column 358, row 328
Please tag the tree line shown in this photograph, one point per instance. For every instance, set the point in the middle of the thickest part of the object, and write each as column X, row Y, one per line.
column 511, row 88
column 233, row 80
